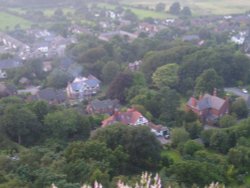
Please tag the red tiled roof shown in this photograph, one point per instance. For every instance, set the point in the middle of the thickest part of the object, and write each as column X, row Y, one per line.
column 129, row 117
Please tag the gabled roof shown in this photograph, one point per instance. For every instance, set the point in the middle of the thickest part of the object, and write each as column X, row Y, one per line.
column 10, row 63
column 50, row 94
column 206, row 102
column 129, row 117
column 104, row 104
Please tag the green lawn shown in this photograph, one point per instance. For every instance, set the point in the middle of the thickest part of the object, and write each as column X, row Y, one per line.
column 141, row 13
column 174, row 155
column 8, row 20
column 200, row 7
column 51, row 11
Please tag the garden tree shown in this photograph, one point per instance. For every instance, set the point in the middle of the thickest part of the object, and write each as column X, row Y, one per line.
column 194, row 129
column 67, row 125
column 191, row 146
column 202, row 173
column 239, row 107
column 207, row 81
column 219, row 141
column 40, row 109
column 228, row 63
column 58, row 79
column 166, row 76
column 99, row 176
column 154, row 59
column 239, row 157
column 109, row 71
column 168, row 101
column 92, row 55
column 119, row 86
column 129, row 15
column 186, row 11
column 94, row 156
column 160, row 7
column 227, row 121
column 175, row 8
column 148, row 99
column 179, row 135
column 20, row 124
column 142, row 153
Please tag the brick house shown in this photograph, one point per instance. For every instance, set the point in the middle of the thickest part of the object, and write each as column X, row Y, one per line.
column 208, row 107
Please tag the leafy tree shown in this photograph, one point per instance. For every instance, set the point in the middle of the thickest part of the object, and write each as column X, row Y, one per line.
column 109, row 71
column 219, row 141
column 186, row 11
column 119, row 86
column 166, row 75
column 18, row 123
column 175, row 8
column 67, row 124
column 58, row 79
column 239, row 107
column 227, row 121
column 160, row 7
column 129, row 15
column 194, row 129
column 202, row 173
column 179, row 135
column 142, row 152
column 239, row 157
column 207, row 81
column 191, row 146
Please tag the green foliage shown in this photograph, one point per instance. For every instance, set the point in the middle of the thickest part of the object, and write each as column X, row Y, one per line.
column 160, row 7
column 175, row 8
column 191, row 146
column 67, row 125
column 109, row 71
column 19, row 122
column 194, row 129
column 178, row 136
column 166, row 76
column 219, row 141
column 239, row 108
column 202, row 173
column 58, row 79
column 207, row 81
column 142, row 152
column 227, row 121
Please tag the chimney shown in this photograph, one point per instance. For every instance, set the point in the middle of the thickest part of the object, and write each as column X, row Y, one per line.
column 215, row 92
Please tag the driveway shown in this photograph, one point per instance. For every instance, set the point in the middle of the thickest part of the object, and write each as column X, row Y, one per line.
column 32, row 90
column 236, row 91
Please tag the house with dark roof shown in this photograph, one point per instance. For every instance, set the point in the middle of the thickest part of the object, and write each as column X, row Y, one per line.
column 107, row 106
column 208, row 107
column 7, row 90
column 130, row 117
column 51, row 95
column 82, row 88
column 7, row 64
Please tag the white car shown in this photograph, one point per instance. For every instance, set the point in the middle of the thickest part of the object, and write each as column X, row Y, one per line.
column 244, row 91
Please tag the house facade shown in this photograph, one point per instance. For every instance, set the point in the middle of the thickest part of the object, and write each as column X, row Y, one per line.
column 82, row 88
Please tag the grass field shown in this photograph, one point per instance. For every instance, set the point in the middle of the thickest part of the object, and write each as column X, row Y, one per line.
column 10, row 21
column 200, row 7
column 50, row 12
column 141, row 13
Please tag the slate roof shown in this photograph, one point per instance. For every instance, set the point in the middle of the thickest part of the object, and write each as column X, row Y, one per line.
column 50, row 94
column 104, row 104
column 10, row 64
column 206, row 102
